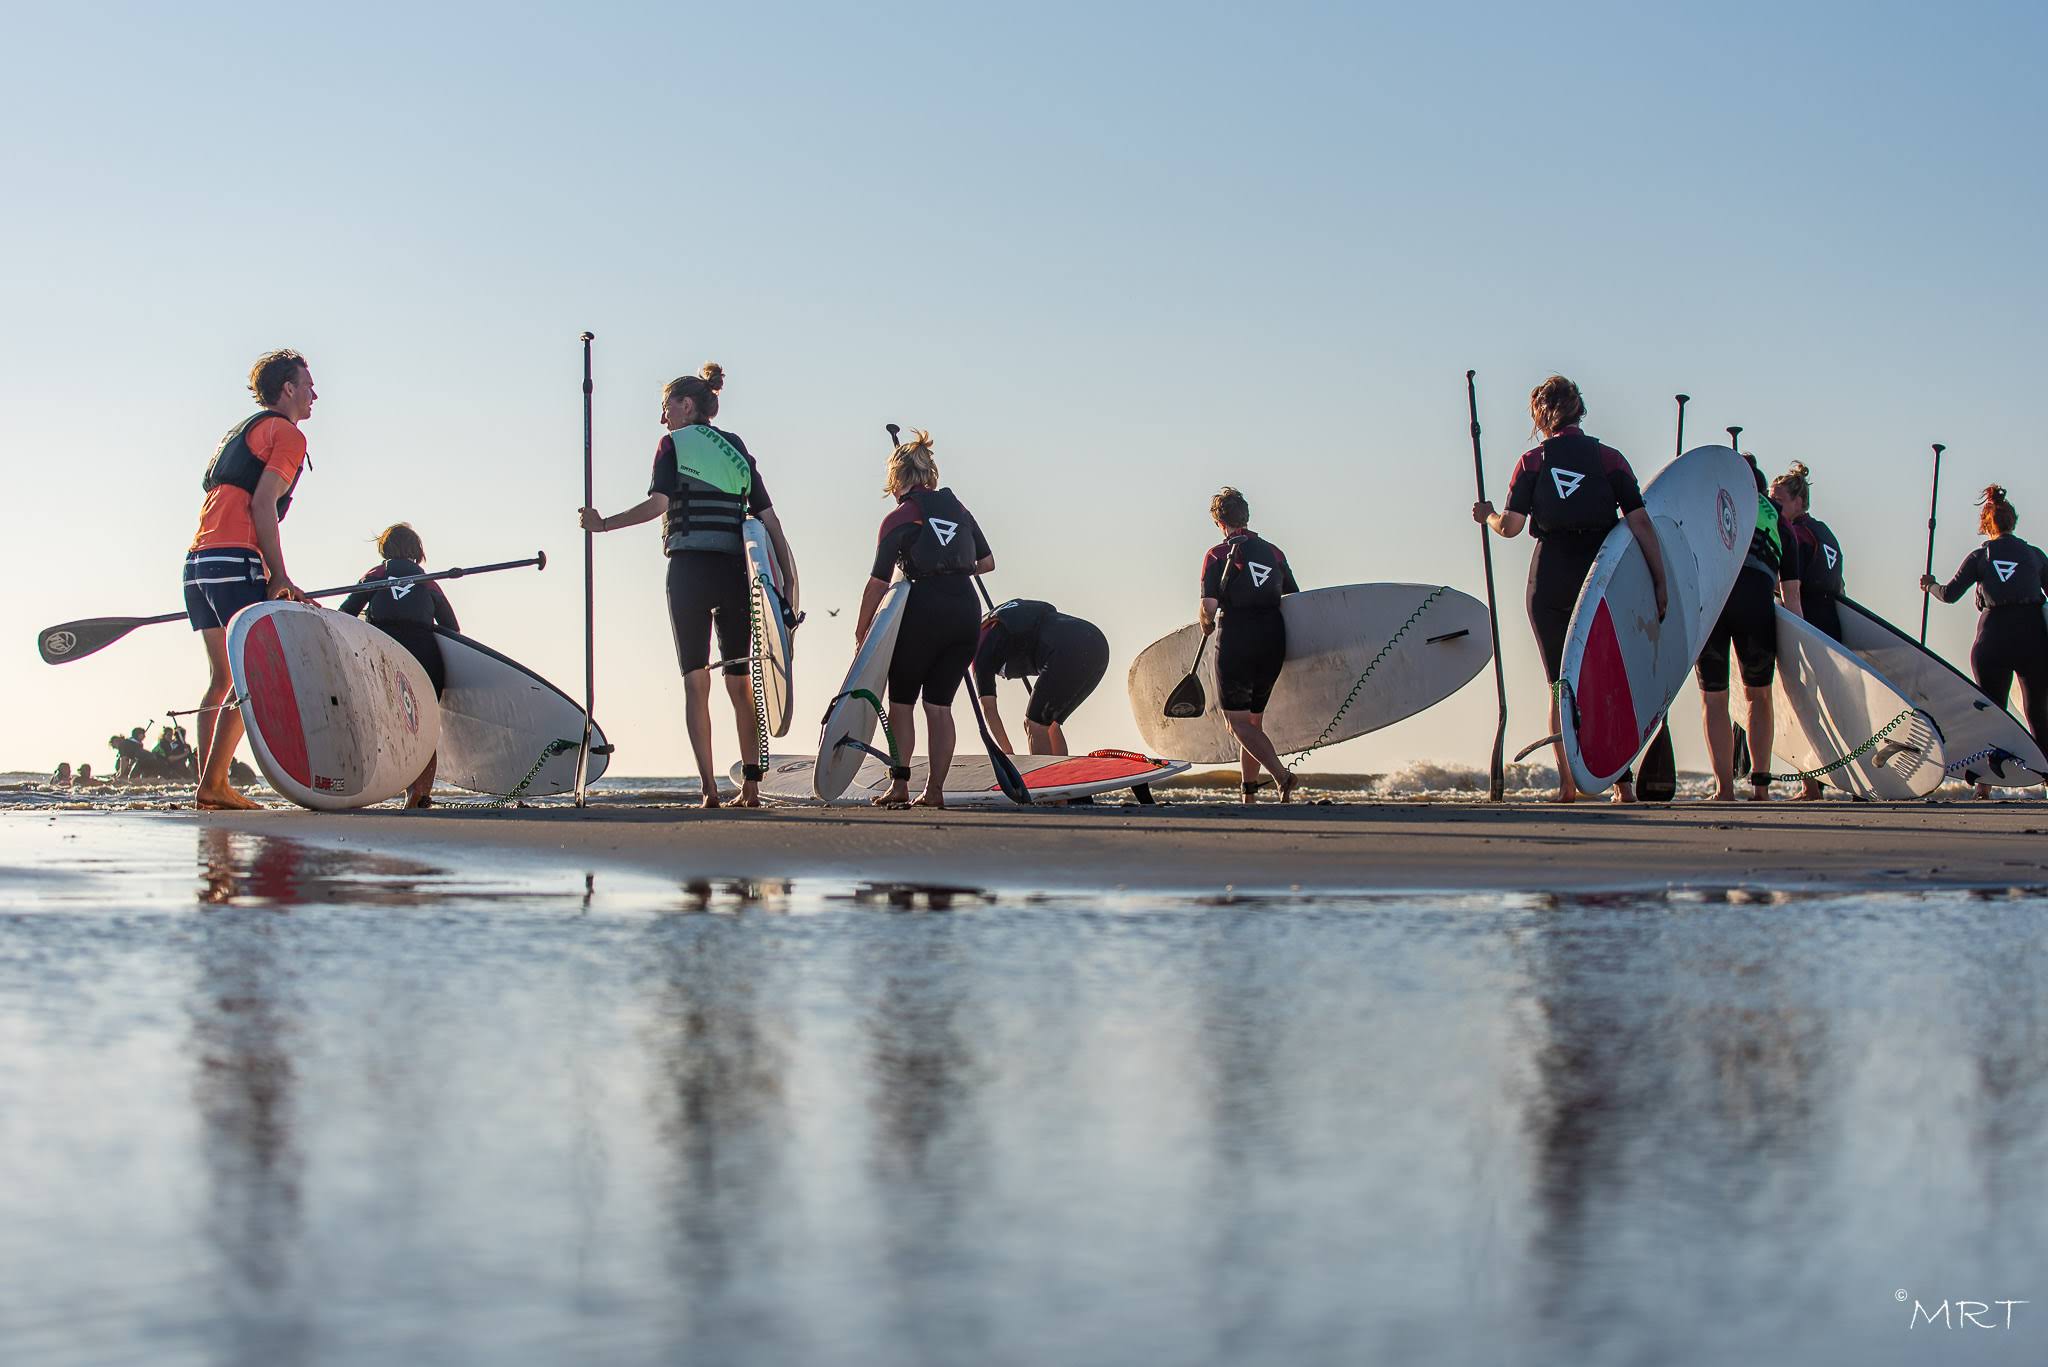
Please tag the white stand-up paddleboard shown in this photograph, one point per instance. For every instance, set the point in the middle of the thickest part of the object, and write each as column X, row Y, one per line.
column 1359, row 657
column 507, row 731
column 1831, row 706
column 844, row 744
column 1622, row 667
column 1981, row 741
column 339, row 714
column 971, row 781
column 776, row 621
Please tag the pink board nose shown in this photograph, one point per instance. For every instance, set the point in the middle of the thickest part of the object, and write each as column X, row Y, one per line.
column 1608, row 733
column 273, row 703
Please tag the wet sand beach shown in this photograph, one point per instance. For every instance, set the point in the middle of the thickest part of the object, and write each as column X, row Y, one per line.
column 1195, row 846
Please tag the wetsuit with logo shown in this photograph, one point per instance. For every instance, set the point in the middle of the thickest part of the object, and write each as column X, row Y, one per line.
column 937, row 543
column 1248, row 575
column 408, row 613
column 2011, row 579
column 1024, row 638
column 1748, row 624
column 224, row 570
column 1821, row 576
column 1573, row 489
column 713, row 485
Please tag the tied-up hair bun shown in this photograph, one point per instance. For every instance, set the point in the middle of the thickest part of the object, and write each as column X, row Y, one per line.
column 1993, row 494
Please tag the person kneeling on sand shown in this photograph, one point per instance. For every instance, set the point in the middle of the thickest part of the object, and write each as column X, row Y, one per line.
column 1244, row 577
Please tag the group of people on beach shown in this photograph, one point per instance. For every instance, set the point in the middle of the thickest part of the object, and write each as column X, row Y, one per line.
column 1569, row 491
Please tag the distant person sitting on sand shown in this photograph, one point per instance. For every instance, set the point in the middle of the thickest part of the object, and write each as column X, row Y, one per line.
column 408, row 613
column 1748, row 627
column 86, row 780
column 2011, row 579
column 1570, row 491
column 62, row 778
column 938, row 545
column 1244, row 577
column 705, row 485
column 1025, row 639
column 237, row 556
column 1822, row 577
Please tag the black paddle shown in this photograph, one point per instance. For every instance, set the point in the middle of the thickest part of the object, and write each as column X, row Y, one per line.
column 1496, row 782
column 1188, row 700
column 1007, row 776
column 75, row 640
column 1933, row 497
column 589, row 598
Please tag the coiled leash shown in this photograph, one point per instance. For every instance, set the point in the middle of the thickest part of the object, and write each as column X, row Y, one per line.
column 1385, row 650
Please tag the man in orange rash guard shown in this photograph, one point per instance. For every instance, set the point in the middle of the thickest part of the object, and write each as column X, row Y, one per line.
column 237, row 558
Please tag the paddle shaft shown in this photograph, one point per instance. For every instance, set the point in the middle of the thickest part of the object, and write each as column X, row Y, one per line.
column 1679, row 449
column 1933, row 501
column 1496, row 780
column 104, row 631
column 589, row 595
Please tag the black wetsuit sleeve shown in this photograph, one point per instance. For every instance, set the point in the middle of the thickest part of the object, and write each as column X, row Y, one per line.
column 354, row 604
column 1522, row 484
column 444, row 611
column 1621, row 482
column 1792, row 567
column 758, row 501
column 890, row 549
column 1287, row 584
column 988, row 655
column 1970, row 572
column 665, row 479
column 981, row 550
column 1212, row 575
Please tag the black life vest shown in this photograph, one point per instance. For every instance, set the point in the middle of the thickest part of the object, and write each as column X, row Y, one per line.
column 2015, row 574
column 1573, row 497
column 235, row 464
column 1021, row 620
column 1821, row 575
column 1252, row 573
column 945, row 536
column 710, row 513
column 391, row 604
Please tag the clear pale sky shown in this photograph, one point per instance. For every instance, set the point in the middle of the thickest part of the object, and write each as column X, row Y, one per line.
column 1111, row 256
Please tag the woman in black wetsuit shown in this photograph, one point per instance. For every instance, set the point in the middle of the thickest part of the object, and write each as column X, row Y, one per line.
column 2011, row 579
column 938, row 545
column 1025, row 638
column 408, row 613
column 1748, row 630
column 1569, row 491
column 1244, row 577
column 705, row 486
column 1821, row 571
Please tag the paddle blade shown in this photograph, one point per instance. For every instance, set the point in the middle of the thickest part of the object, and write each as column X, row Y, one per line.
column 1657, row 772
column 1007, row 776
column 1188, row 700
column 60, row 645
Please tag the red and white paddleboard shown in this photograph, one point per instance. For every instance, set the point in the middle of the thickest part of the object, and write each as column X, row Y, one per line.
column 972, row 779
column 1622, row 667
column 339, row 714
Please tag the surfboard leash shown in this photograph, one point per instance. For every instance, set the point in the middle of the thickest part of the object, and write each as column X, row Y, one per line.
column 553, row 748
column 756, row 674
column 1385, row 650
column 1859, row 752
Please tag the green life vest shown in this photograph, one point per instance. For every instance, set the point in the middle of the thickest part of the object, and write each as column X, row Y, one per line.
column 710, row 512
column 1767, row 542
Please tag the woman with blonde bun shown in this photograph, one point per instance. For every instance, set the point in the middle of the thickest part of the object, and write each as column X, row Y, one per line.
column 705, row 486
column 1821, row 566
column 2011, row 579
column 932, row 538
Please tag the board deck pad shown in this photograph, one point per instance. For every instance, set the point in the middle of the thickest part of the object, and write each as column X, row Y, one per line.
column 1360, row 657
column 972, row 779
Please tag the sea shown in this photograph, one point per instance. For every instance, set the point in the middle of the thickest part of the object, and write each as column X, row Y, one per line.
column 268, row 1099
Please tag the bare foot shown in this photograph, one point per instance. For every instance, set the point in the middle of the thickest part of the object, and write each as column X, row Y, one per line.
column 1983, row 792
column 928, row 798
column 1723, row 795
column 1808, row 795
column 1624, row 795
column 709, row 802
column 1287, row 787
column 898, row 796
column 225, row 800
column 1565, row 796
column 750, row 794
column 1759, row 794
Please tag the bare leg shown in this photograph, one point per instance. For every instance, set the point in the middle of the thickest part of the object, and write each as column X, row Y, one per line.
column 220, row 731
column 1567, row 786
column 903, row 726
column 1763, row 721
column 697, row 718
column 741, row 689
column 1720, row 742
column 420, row 792
column 1809, row 790
column 1045, row 740
column 1251, row 736
column 938, row 752
column 1248, row 773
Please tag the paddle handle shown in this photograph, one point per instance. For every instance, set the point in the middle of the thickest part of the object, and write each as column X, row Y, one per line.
column 1496, row 774
column 589, row 593
column 1933, row 502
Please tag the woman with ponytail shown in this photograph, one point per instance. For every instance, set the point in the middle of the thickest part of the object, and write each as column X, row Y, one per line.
column 704, row 488
column 2011, row 579
column 1821, row 570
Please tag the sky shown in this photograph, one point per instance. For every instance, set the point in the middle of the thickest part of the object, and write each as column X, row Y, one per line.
column 1111, row 256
